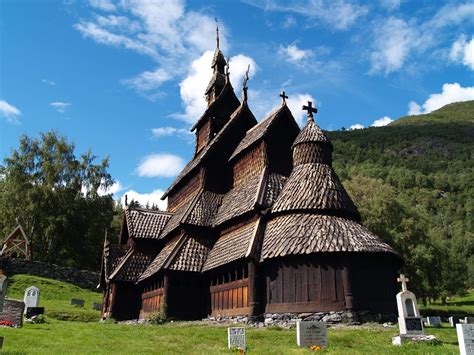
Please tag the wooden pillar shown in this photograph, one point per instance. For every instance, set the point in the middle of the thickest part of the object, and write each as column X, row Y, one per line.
column 346, row 281
column 111, row 302
column 164, row 307
column 254, row 289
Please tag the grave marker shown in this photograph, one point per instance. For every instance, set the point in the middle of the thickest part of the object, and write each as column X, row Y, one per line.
column 453, row 320
column 77, row 302
column 3, row 288
column 311, row 333
column 96, row 306
column 434, row 321
column 465, row 334
column 236, row 338
column 31, row 297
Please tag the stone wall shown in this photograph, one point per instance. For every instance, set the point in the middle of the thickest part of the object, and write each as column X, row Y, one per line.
column 81, row 278
column 13, row 312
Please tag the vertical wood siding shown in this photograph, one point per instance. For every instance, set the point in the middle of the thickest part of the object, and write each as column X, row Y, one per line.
column 249, row 165
column 185, row 193
column 202, row 135
column 151, row 302
column 230, row 298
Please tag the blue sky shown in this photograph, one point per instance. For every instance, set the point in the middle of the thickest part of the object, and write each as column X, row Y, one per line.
column 126, row 78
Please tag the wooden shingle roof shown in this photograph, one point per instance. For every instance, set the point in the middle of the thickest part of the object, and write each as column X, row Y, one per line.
column 315, row 187
column 311, row 133
column 145, row 224
column 256, row 133
column 132, row 265
column 112, row 257
column 158, row 262
column 296, row 234
column 191, row 256
column 231, row 246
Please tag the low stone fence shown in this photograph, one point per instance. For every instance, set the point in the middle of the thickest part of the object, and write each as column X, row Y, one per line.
column 81, row 278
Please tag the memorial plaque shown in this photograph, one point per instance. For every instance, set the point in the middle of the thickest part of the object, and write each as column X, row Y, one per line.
column 465, row 334
column 236, row 338
column 77, row 302
column 413, row 325
column 311, row 333
column 434, row 321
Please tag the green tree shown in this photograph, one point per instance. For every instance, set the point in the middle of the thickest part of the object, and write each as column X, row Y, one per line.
column 60, row 200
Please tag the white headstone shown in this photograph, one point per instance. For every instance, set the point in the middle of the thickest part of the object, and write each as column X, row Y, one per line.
column 434, row 321
column 465, row 338
column 3, row 288
column 236, row 338
column 453, row 320
column 32, row 295
column 311, row 333
column 409, row 319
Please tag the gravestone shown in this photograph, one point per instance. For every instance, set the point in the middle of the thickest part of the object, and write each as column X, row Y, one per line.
column 3, row 288
column 409, row 319
column 311, row 333
column 31, row 298
column 236, row 338
column 77, row 302
column 96, row 306
column 468, row 320
column 434, row 321
column 13, row 312
column 465, row 334
column 33, row 311
column 453, row 320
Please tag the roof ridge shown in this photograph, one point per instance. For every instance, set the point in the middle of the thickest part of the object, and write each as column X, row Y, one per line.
column 122, row 263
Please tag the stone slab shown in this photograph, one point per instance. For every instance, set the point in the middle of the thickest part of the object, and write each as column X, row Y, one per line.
column 236, row 338
column 77, row 302
column 311, row 333
column 13, row 312
column 465, row 334
column 34, row 311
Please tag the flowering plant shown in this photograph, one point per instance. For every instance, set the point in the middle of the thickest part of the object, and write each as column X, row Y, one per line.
column 315, row 347
column 6, row 323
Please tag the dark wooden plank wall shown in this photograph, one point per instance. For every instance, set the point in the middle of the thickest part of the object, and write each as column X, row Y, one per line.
column 304, row 285
column 203, row 133
column 230, row 298
column 127, row 302
column 151, row 302
column 186, row 192
column 250, row 164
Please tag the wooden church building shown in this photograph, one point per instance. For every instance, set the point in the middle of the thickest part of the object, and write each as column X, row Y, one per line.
column 257, row 222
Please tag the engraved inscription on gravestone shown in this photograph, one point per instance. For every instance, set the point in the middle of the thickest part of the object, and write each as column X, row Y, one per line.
column 465, row 334
column 413, row 325
column 236, row 338
column 311, row 333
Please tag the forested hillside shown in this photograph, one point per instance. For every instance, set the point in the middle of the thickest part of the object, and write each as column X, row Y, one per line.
column 413, row 182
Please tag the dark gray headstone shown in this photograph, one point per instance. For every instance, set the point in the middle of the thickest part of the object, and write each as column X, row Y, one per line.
column 97, row 306
column 13, row 312
column 34, row 311
column 77, row 302
column 434, row 321
column 413, row 324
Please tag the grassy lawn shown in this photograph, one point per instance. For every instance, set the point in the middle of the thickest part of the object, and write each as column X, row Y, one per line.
column 455, row 305
column 191, row 338
column 55, row 297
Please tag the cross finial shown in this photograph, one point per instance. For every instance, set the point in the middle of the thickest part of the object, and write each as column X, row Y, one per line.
column 227, row 71
column 310, row 109
column 244, row 84
column 126, row 200
column 403, row 280
column 217, row 33
column 283, row 98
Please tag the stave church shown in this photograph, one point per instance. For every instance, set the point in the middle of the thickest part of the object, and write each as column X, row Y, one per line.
column 257, row 222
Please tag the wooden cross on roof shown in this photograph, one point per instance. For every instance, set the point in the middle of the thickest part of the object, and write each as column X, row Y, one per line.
column 283, row 97
column 310, row 109
column 244, row 84
column 403, row 280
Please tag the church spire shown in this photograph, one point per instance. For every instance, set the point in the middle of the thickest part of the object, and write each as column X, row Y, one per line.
column 219, row 78
column 244, row 85
column 217, row 34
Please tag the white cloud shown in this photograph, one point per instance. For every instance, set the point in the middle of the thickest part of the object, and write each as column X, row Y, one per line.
column 293, row 54
column 48, row 82
column 356, row 126
column 295, row 103
column 185, row 134
column 394, row 39
column 160, row 165
column 10, row 112
column 289, row 22
column 114, row 189
column 192, row 87
column 105, row 5
column 381, row 122
column 339, row 14
column 390, row 4
column 148, row 80
column 60, row 106
column 463, row 51
column 143, row 199
column 450, row 93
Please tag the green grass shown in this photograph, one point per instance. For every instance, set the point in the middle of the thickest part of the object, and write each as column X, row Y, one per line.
column 196, row 338
column 55, row 297
column 456, row 305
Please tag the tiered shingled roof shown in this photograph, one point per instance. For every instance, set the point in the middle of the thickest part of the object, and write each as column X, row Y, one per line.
column 112, row 257
column 191, row 256
column 161, row 258
column 132, row 265
column 232, row 246
column 145, row 224
column 299, row 233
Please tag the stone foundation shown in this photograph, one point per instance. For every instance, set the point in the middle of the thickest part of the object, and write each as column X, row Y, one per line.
column 288, row 320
